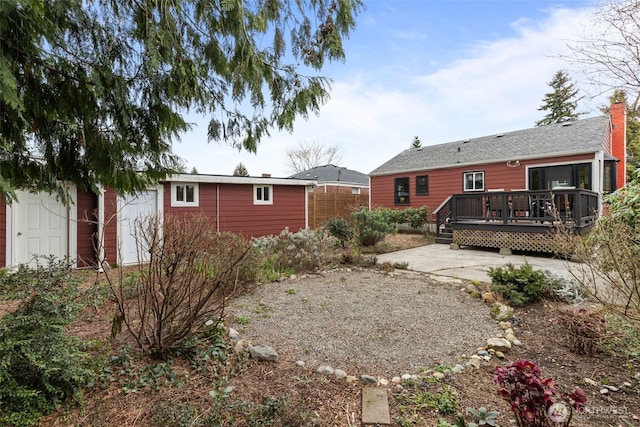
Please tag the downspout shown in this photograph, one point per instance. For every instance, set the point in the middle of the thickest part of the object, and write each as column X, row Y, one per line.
column 369, row 193
column 218, row 208
column 306, row 207
column 101, row 227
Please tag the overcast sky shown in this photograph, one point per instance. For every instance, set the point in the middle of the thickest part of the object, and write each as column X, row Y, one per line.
column 441, row 70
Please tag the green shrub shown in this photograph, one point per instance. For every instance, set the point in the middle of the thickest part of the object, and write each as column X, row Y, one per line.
column 520, row 285
column 340, row 229
column 40, row 365
column 418, row 218
column 371, row 226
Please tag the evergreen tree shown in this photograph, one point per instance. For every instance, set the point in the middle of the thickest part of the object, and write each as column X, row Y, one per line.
column 240, row 170
column 416, row 143
column 561, row 103
column 633, row 130
column 95, row 92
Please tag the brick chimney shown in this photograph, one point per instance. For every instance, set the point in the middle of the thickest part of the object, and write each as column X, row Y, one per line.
column 619, row 140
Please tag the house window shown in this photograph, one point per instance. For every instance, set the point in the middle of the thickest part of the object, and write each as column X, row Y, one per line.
column 473, row 181
column 422, row 184
column 262, row 194
column 562, row 176
column 355, row 190
column 184, row 194
column 401, row 186
column 609, row 181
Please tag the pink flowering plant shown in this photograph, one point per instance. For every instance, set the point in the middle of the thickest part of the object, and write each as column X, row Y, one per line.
column 534, row 400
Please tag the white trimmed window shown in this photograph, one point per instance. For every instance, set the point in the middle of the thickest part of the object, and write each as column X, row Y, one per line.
column 355, row 190
column 184, row 194
column 262, row 194
column 473, row 181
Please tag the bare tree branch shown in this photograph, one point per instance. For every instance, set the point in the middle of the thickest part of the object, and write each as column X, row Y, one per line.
column 610, row 50
column 310, row 155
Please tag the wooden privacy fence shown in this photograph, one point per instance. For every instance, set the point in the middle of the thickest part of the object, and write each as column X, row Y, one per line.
column 323, row 206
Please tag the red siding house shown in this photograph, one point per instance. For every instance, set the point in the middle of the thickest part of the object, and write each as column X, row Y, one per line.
column 101, row 226
column 519, row 170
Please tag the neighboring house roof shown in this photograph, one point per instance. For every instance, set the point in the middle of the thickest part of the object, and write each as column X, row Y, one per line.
column 333, row 174
column 569, row 138
column 227, row 179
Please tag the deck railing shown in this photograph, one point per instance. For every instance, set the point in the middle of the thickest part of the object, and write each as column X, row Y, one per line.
column 575, row 206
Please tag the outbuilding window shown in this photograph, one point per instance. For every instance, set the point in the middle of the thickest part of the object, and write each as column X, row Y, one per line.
column 262, row 194
column 184, row 194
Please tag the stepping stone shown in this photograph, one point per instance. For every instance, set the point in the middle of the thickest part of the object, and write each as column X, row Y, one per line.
column 375, row 406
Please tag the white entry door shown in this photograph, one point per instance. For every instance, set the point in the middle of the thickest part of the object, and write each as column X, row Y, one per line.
column 133, row 210
column 40, row 227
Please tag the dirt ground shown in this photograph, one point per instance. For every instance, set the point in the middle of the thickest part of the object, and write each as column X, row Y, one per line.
column 283, row 394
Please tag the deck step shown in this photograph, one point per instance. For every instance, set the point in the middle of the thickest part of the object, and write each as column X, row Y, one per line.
column 443, row 239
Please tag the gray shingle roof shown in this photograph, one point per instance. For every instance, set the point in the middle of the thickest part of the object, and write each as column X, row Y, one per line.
column 580, row 136
column 331, row 173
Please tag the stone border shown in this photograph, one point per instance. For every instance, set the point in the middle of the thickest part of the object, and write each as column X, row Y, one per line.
column 494, row 347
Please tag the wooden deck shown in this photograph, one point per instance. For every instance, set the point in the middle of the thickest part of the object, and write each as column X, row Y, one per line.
column 519, row 220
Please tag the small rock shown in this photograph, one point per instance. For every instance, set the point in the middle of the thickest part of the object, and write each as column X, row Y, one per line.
column 500, row 355
column 470, row 289
column 300, row 363
column 473, row 363
column 508, row 331
column 627, row 384
column 516, row 342
column 488, row 298
column 604, row 391
column 510, row 337
column 504, row 325
column 368, row 379
column 457, row 369
column 233, row 335
column 637, row 376
column 263, row 353
column 501, row 312
column 487, row 358
column 339, row 373
column 241, row 346
column 325, row 370
column 590, row 382
column 293, row 277
column 396, row 380
column 483, row 353
column 406, row 377
column 384, row 382
column 438, row 375
column 612, row 388
column 499, row 344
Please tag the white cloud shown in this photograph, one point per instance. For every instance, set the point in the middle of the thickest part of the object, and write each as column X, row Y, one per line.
column 497, row 87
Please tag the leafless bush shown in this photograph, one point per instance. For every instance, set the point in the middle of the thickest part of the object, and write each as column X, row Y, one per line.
column 586, row 330
column 191, row 272
column 607, row 266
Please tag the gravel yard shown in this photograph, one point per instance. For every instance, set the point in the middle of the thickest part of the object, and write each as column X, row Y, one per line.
column 364, row 322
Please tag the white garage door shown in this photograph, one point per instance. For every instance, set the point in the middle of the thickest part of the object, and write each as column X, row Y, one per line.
column 40, row 227
column 134, row 209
